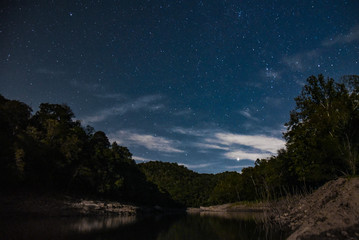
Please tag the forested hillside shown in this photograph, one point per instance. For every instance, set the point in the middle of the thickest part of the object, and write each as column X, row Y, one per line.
column 51, row 151
column 185, row 186
column 193, row 189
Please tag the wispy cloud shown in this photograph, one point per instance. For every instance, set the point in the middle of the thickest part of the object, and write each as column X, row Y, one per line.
column 153, row 143
column 235, row 146
column 195, row 166
column 259, row 142
column 351, row 36
column 211, row 146
column 142, row 159
column 247, row 114
column 191, row 132
column 301, row 61
column 114, row 96
column 143, row 103
column 294, row 61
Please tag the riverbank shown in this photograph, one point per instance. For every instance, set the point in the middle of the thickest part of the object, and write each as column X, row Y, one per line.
column 28, row 203
column 233, row 207
column 330, row 212
column 240, row 210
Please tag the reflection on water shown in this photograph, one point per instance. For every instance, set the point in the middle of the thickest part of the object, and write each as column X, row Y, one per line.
column 57, row 228
column 208, row 226
column 94, row 224
column 245, row 216
column 217, row 225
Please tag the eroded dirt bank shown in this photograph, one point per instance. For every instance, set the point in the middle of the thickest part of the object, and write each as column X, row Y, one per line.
column 331, row 212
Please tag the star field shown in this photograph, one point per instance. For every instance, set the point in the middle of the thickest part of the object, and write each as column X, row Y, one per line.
column 206, row 84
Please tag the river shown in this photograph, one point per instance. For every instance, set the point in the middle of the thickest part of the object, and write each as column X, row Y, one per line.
column 165, row 227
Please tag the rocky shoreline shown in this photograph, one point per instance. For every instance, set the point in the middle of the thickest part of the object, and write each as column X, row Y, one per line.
column 24, row 203
column 35, row 204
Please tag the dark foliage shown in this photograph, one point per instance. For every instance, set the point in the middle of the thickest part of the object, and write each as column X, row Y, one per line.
column 322, row 141
column 186, row 187
column 50, row 150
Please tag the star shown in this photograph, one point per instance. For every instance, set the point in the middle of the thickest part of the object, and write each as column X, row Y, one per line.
column 171, row 79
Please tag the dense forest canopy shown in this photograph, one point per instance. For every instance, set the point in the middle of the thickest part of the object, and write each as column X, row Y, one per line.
column 185, row 186
column 51, row 150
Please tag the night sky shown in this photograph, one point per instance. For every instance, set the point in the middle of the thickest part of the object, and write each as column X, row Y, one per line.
column 206, row 84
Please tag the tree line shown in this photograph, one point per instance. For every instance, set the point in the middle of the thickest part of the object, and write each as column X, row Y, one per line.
column 322, row 144
column 50, row 150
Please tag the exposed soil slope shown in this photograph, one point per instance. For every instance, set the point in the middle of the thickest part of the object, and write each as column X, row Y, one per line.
column 331, row 212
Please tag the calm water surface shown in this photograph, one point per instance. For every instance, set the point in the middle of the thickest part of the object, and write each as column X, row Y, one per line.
column 191, row 226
